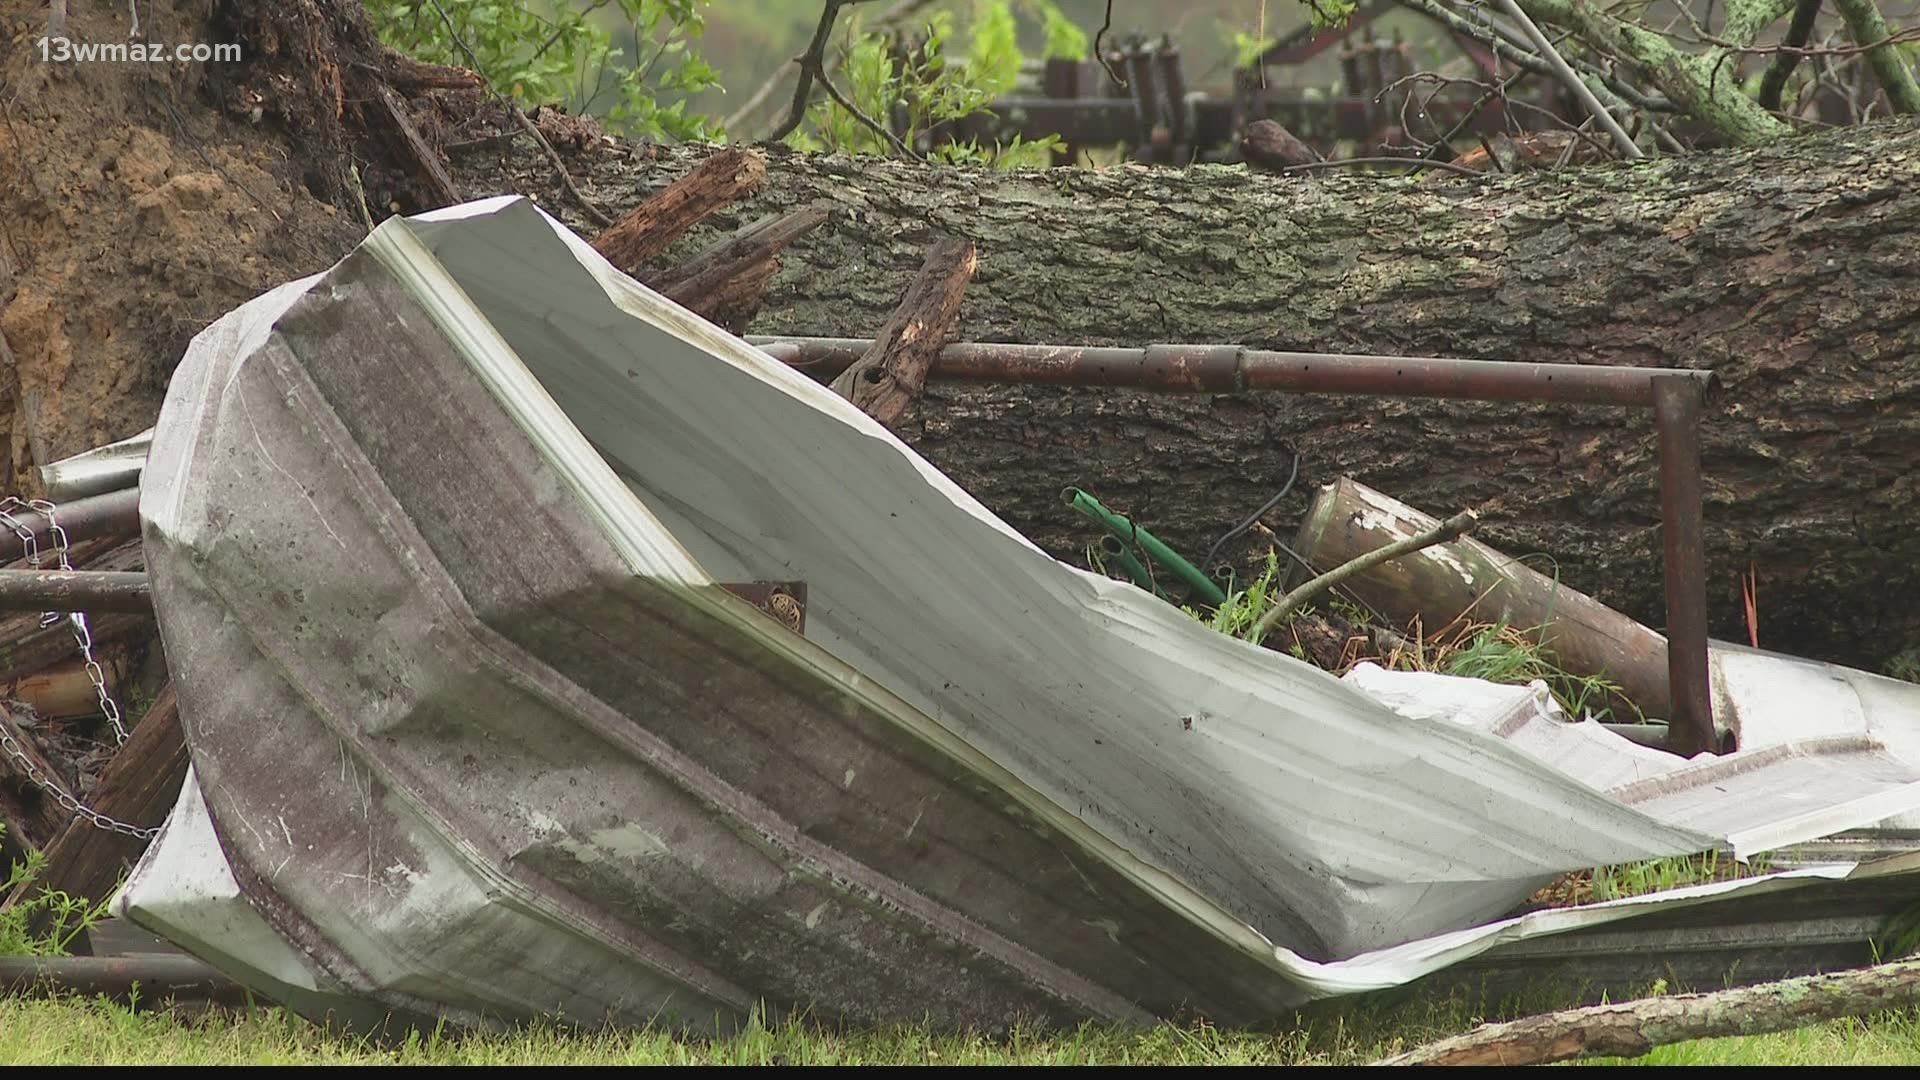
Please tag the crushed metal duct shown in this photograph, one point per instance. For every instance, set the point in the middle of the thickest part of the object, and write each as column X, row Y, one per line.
column 450, row 770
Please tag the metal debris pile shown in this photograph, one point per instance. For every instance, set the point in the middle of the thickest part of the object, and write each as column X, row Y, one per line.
column 753, row 708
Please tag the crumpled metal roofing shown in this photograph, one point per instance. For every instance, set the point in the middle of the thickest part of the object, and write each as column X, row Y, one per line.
column 435, row 539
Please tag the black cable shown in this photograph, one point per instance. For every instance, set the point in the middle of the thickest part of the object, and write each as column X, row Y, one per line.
column 1257, row 514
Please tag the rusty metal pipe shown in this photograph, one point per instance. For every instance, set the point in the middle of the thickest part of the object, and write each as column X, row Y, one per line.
column 117, row 513
column 1224, row 369
column 75, row 590
column 160, row 978
column 1676, row 410
column 1676, row 397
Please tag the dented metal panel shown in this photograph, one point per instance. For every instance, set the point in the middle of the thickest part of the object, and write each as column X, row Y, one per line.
column 487, row 773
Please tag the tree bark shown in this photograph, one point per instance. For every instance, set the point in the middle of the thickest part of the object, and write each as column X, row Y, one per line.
column 1791, row 269
column 1631, row 1028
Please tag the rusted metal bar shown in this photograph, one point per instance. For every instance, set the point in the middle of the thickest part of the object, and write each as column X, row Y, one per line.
column 1676, row 397
column 1224, row 369
column 75, row 590
column 1676, row 410
column 117, row 513
column 159, row 978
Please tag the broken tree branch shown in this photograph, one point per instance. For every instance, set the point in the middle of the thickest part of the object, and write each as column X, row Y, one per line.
column 1573, row 82
column 1631, row 1028
column 890, row 376
column 1869, row 29
column 1696, row 83
column 1450, row 529
column 727, row 282
column 406, row 73
column 652, row 227
column 429, row 165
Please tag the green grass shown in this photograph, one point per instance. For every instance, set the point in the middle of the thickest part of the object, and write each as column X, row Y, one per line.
column 96, row 1032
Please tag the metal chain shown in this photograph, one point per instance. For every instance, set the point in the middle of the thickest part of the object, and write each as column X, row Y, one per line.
column 95, row 674
column 80, row 634
column 93, row 817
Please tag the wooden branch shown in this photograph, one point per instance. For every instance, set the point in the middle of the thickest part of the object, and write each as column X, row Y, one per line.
column 1450, row 529
column 1868, row 28
column 895, row 14
column 1631, row 1028
column 139, row 787
column 406, row 73
column 1705, row 86
column 727, row 283
column 1573, row 81
column 429, row 165
column 813, row 68
column 890, row 376
column 653, row 226
column 1774, row 82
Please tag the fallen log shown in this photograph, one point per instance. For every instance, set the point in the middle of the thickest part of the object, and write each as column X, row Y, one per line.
column 1467, row 581
column 66, row 691
column 1361, row 562
column 1631, row 1028
column 1797, row 288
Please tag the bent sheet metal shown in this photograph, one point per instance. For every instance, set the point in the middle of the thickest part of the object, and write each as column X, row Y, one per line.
column 437, row 540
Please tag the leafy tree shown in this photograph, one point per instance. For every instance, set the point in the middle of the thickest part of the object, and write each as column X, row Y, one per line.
column 921, row 85
column 620, row 59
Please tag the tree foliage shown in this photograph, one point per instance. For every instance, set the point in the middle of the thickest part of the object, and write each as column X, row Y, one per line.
column 918, row 83
column 631, row 62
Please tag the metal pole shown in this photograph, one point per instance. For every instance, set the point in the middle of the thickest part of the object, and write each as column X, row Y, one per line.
column 159, row 977
column 117, row 513
column 1226, row 369
column 75, row 590
column 1676, row 410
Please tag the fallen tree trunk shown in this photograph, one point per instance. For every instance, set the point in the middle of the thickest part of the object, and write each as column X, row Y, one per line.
column 1791, row 269
column 1631, row 1028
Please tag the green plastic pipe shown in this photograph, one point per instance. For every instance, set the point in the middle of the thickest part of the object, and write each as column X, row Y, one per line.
column 1120, row 555
column 1128, row 533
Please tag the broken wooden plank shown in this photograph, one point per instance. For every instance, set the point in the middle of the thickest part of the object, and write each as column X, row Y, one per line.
column 138, row 788
column 890, row 376
column 727, row 282
column 432, row 179
column 653, row 226
column 406, row 73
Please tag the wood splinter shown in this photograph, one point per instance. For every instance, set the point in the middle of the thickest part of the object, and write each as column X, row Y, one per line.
column 891, row 375
column 653, row 226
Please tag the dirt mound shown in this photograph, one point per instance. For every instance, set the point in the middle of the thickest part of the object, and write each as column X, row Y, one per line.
column 142, row 200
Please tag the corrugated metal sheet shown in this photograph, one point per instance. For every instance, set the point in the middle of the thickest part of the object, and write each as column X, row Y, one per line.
column 436, row 538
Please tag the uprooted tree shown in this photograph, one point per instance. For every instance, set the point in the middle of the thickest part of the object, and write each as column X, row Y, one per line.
column 139, row 204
